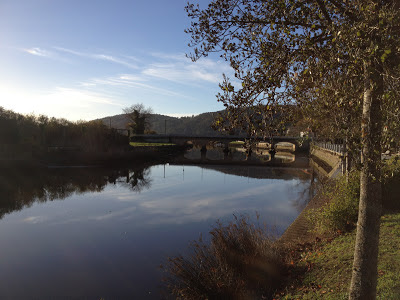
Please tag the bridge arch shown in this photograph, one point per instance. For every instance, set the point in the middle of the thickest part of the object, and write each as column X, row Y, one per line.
column 285, row 146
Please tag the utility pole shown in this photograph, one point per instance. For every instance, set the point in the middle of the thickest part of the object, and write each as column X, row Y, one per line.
column 165, row 126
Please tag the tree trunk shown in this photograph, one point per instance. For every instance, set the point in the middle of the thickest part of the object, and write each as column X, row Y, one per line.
column 364, row 277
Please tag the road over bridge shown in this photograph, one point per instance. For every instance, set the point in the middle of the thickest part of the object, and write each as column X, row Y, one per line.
column 301, row 144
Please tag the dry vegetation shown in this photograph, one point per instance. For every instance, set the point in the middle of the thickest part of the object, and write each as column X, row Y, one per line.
column 241, row 262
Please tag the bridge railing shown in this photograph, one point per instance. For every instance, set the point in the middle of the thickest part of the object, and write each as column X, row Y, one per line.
column 337, row 148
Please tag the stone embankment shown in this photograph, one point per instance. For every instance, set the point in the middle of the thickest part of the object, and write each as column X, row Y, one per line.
column 327, row 164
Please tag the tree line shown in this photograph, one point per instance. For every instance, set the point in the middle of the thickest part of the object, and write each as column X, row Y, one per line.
column 41, row 132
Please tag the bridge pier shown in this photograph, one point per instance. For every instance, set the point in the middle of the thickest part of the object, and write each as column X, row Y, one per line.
column 203, row 152
column 272, row 152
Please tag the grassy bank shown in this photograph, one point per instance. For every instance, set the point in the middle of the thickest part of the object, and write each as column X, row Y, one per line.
column 323, row 270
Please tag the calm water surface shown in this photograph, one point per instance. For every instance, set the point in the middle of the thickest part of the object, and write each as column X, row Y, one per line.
column 91, row 233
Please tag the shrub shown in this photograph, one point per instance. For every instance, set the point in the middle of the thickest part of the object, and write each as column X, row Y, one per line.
column 341, row 211
column 241, row 262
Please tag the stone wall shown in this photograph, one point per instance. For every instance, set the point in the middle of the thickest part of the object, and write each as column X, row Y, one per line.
column 326, row 162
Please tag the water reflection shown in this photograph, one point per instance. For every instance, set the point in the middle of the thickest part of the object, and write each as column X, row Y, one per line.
column 138, row 179
column 20, row 188
column 219, row 153
column 115, row 226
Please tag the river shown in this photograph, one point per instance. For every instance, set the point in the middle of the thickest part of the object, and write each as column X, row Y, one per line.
column 94, row 232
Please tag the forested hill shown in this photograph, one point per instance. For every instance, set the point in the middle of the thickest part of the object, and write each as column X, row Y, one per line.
column 199, row 125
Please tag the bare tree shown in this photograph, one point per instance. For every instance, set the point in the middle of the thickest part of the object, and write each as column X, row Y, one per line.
column 139, row 117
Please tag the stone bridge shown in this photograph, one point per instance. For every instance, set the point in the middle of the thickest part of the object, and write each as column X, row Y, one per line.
column 300, row 144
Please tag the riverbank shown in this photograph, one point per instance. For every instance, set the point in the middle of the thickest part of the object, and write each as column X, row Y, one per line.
column 322, row 269
column 320, row 266
column 300, row 231
column 325, row 165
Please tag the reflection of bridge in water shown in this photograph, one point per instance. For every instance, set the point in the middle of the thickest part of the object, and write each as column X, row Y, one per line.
column 299, row 143
column 260, row 172
column 239, row 156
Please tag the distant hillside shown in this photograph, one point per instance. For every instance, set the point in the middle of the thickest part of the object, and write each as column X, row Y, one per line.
column 199, row 125
column 196, row 125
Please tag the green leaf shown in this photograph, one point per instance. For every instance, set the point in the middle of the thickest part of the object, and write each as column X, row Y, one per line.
column 385, row 54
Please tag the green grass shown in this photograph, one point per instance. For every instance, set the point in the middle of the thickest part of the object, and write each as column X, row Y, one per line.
column 236, row 143
column 135, row 144
column 323, row 270
column 341, row 212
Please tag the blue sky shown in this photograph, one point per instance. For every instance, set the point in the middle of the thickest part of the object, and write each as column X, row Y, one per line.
column 87, row 59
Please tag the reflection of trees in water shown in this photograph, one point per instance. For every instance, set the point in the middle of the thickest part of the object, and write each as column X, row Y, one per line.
column 20, row 188
column 139, row 179
column 307, row 190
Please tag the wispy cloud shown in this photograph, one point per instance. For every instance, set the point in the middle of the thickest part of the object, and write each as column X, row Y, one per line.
column 38, row 52
column 179, row 69
column 133, row 58
column 97, row 56
column 130, row 81
column 164, row 79
column 168, row 56
column 175, row 68
column 115, row 60
column 77, row 53
column 156, row 74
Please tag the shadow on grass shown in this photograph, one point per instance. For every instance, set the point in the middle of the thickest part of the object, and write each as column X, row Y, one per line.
column 391, row 196
column 391, row 186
